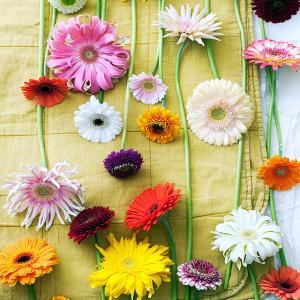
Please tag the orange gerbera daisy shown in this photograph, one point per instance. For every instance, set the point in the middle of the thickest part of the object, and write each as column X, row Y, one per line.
column 59, row 298
column 284, row 283
column 159, row 125
column 25, row 260
column 152, row 203
column 280, row 173
column 45, row 91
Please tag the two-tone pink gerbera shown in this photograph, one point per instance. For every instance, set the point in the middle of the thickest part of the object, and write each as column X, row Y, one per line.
column 273, row 53
column 88, row 53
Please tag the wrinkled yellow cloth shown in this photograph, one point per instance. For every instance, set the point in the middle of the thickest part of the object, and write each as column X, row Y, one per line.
column 213, row 168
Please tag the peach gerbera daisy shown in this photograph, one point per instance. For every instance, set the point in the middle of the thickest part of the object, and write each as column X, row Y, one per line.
column 280, row 173
column 159, row 125
column 26, row 260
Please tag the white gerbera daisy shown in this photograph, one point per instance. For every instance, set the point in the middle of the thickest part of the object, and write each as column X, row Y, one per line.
column 46, row 193
column 98, row 122
column 67, row 6
column 247, row 236
column 147, row 88
column 189, row 24
column 219, row 112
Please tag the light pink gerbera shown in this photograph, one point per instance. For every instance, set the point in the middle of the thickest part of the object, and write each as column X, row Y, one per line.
column 87, row 52
column 273, row 53
column 147, row 88
column 46, row 193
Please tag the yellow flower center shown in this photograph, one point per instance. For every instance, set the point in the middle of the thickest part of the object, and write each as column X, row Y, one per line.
column 129, row 262
column 149, row 86
column 43, row 190
column 218, row 113
column 248, row 234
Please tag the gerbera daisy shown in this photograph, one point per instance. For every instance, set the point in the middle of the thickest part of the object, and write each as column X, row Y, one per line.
column 45, row 91
column 199, row 274
column 284, row 283
column 190, row 23
column 246, row 236
column 26, row 260
column 219, row 112
column 275, row 11
column 145, row 209
column 68, row 6
column 280, row 173
column 46, row 193
column 88, row 54
column 159, row 125
column 89, row 221
column 123, row 163
column 130, row 268
column 98, row 122
column 147, row 88
column 273, row 53
column 60, row 298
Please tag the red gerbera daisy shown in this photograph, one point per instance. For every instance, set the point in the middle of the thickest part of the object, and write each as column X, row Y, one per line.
column 284, row 283
column 45, row 91
column 151, row 204
column 89, row 221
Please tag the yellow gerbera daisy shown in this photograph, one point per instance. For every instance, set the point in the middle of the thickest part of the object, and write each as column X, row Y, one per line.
column 59, row 298
column 24, row 261
column 129, row 267
column 159, row 125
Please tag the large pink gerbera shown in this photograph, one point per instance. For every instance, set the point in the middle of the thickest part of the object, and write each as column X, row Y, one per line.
column 273, row 53
column 88, row 54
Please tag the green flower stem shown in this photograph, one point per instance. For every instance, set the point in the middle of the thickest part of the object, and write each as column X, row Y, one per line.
column 130, row 71
column 40, row 110
column 98, row 8
column 196, row 294
column 98, row 257
column 31, row 292
column 254, row 282
column 101, row 96
column 227, row 275
column 155, row 65
column 169, row 235
column 187, row 160
column 103, row 10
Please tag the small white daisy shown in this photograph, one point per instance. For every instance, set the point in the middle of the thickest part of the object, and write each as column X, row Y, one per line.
column 189, row 24
column 67, row 6
column 219, row 112
column 247, row 236
column 147, row 88
column 97, row 122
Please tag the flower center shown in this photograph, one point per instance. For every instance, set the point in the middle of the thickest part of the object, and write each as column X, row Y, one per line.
column 218, row 113
column 157, row 128
column 44, row 190
column 149, row 86
column 99, row 121
column 286, row 286
column 276, row 53
column 23, row 258
column 129, row 262
column 248, row 234
column 125, row 167
column 278, row 5
column 44, row 88
column 89, row 54
column 68, row 2
column 281, row 171
column 153, row 208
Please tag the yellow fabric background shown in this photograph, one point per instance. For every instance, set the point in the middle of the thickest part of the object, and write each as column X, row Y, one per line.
column 213, row 168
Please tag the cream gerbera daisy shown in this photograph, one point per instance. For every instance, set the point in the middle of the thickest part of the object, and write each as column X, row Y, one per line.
column 247, row 236
column 98, row 122
column 190, row 23
column 219, row 112
column 67, row 6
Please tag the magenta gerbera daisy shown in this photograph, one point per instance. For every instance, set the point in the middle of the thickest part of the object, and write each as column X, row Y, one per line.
column 147, row 88
column 273, row 53
column 88, row 54
column 46, row 193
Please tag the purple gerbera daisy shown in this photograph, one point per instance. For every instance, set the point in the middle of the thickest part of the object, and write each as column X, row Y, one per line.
column 123, row 163
column 199, row 274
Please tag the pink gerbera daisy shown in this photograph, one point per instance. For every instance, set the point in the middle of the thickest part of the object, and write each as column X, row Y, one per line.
column 147, row 88
column 273, row 53
column 87, row 52
column 46, row 193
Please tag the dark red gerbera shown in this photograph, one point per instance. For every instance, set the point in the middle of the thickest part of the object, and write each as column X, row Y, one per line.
column 45, row 91
column 275, row 11
column 152, row 203
column 89, row 221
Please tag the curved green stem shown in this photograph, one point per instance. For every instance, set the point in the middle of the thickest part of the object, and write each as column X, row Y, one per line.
column 98, row 257
column 253, row 282
column 187, row 160
column 169, row 235
column 31, row 292
column 196, row 294
column 130, row 72
column 103, row 10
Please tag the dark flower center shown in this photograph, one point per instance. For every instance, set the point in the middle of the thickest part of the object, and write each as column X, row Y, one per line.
column 23, row 258
column 125, row 168
column 98, row 121
column 44, row 190
column 278, row 5
column 45, row 88
column 286, row 286
column 68, row 2
column 282, row 171
column 158, row 128
column 153, row 208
